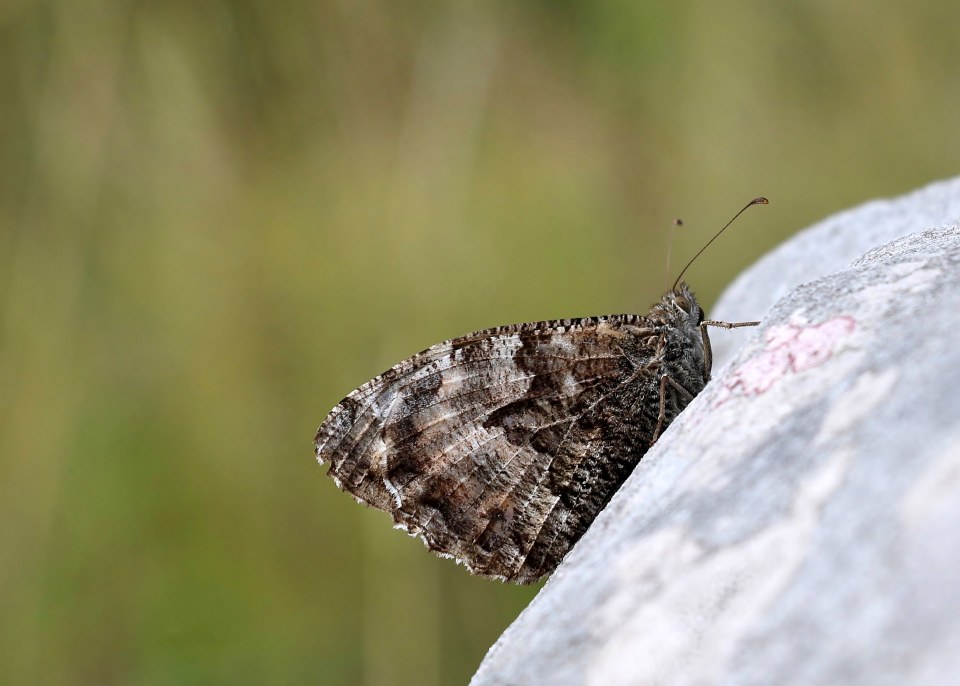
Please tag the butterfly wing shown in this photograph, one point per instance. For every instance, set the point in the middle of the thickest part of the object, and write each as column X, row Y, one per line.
column 500, row 447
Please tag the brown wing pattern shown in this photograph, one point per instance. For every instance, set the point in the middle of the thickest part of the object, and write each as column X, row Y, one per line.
column 500, row 447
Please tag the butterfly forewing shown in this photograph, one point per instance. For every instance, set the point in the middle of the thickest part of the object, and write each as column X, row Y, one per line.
column 500, row 447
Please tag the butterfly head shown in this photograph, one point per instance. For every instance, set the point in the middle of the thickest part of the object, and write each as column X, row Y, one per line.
column 680, row 303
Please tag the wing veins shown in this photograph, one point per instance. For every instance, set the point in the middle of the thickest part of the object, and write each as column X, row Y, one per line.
column 553, row 458
column 361, row 445
column 445, row 418
column 377, row 390
column 361, row 438
column 573, row 420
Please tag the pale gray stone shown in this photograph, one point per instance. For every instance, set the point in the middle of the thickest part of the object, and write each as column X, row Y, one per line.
column 799, row 523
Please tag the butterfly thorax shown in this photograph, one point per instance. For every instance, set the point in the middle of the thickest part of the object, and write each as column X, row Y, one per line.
column 676, row 320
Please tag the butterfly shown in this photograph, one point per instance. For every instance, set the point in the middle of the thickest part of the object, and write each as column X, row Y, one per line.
column 500, row 448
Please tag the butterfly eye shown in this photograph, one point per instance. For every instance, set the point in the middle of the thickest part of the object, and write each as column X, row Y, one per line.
column 683, row 303
column 700, row 316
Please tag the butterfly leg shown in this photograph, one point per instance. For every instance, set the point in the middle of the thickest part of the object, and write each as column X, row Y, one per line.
column 662, row 416
column 707, row 350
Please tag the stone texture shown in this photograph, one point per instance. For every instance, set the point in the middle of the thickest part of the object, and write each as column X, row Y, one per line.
column 799, row 523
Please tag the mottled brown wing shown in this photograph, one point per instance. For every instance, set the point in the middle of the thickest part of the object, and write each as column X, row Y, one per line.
column 500, row 447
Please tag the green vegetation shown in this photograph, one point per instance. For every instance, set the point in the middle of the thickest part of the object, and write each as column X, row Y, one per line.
column 218, row 218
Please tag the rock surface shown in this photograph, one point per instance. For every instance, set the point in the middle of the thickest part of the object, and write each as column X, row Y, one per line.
column 799, row 523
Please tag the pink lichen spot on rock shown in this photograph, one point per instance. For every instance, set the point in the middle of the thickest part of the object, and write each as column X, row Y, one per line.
column 814, row 344
column 794, row 347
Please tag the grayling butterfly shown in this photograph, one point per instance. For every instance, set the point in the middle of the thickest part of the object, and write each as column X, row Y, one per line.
column 499, row 448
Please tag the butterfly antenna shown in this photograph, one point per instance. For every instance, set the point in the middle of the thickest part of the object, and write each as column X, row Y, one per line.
column 666, row 271
column 756, row 201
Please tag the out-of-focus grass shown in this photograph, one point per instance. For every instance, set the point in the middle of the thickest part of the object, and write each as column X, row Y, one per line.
column 216, row 219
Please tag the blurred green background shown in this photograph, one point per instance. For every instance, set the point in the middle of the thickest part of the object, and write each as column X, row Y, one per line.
column 218, row 218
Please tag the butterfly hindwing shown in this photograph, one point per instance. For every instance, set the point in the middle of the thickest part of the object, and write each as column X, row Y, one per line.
column 500, row 447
